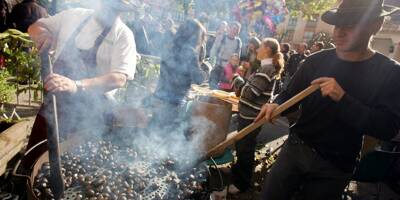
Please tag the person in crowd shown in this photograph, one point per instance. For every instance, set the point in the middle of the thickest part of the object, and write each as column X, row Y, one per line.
column 180, row 67
column 295, row 59
column 254, row 93
column 137, row 25
column 318, row 46
column 156, row 33
column 249, row 61
column 222, row 29
column 169, row 32
column 359, row 94
column 291, row 53
column 223, row 47
column 230, row 69
column 285, row 50
column 396, row 53
column 227, row 44
column 26, row 13
column 217, row 28
column 307, row 53
column 203, row 19
column 94, row 53
column 3, row 16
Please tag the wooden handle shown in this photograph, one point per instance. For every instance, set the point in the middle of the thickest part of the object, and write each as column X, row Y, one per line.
column 233, row 137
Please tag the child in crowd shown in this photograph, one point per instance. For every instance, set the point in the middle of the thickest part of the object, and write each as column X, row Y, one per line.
column 230, row 69
column 249, row 61
column 257, row 90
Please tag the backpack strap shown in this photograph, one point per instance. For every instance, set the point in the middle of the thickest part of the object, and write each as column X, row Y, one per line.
column 221, row 44
column 238, row 45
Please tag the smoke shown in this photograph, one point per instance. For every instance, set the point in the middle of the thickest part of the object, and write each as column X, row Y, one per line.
column 184, row 141
column 174, row 144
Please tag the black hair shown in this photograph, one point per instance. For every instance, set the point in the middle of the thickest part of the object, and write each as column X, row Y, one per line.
column 255, row 41
column 191, row 32
column 286, row 47
column 236, row 23
column 4, row 4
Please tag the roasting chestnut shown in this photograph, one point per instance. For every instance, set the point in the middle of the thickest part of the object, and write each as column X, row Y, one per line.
column 103, row 171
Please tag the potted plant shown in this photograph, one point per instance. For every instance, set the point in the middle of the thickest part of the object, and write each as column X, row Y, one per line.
column 6, row 92
column 21, row 60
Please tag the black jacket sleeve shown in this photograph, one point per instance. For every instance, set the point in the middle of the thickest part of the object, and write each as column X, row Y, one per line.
column 299, row 82
column 382, row 120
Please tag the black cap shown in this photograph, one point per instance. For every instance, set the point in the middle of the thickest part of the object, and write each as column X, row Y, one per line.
column 351, row 12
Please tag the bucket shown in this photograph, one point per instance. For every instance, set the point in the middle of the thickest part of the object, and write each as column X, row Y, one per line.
column 209, row 121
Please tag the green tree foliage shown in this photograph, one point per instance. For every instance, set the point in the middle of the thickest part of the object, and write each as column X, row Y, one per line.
column 309, row 8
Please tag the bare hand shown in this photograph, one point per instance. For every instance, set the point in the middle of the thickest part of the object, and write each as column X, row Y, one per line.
column 58, row 83
column 329, row 87
column 266, row 112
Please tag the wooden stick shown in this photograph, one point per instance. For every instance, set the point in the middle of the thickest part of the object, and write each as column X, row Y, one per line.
column 235, row 136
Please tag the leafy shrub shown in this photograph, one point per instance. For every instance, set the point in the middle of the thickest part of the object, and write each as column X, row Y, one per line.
column 6, row 89
column 20, row 57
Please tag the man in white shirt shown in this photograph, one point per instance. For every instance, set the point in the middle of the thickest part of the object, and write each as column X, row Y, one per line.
column 94, row 54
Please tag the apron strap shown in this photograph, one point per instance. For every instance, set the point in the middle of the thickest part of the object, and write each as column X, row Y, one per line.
column 101, row 38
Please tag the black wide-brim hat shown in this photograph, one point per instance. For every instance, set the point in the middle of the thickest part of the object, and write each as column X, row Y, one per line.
column 122, row 5
column 351, row 12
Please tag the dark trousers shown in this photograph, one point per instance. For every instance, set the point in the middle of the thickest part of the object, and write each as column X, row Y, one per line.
column 242, row 170
column 302, row 171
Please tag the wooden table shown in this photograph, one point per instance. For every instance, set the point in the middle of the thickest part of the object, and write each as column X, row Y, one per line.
column 229, row 97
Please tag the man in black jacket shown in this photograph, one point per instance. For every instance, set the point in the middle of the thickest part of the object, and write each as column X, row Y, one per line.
column 294, row 61
column 359, row 94
column 285, row 50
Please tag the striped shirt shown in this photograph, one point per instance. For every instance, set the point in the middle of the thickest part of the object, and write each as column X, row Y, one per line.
column 257, row 90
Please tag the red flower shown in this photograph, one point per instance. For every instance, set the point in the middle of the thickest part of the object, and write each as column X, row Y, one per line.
column 2, row 62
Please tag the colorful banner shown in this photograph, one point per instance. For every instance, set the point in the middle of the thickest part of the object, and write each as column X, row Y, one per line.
column 267, row 12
